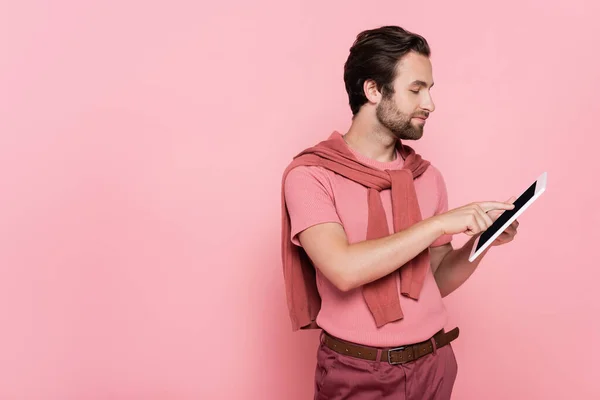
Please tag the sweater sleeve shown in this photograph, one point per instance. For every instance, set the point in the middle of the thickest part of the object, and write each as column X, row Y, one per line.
column 309, row 199
column 442, row 207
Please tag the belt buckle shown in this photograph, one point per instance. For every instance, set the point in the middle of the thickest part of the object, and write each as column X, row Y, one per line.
column 390, row 354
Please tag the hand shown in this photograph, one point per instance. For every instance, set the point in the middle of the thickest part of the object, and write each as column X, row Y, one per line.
column 509, row 233
column 470, row 219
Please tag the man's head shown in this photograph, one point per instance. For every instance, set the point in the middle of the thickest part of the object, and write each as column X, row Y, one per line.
column 388, row 75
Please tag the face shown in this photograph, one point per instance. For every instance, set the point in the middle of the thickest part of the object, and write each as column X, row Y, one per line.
column 404, row 112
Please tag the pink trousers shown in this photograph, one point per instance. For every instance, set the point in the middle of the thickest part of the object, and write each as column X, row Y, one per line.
column 339, row 376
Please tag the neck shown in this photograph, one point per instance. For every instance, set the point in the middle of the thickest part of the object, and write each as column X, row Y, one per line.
column 373, row 141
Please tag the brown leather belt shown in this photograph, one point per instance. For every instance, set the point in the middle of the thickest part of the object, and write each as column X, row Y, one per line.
column 392, row 355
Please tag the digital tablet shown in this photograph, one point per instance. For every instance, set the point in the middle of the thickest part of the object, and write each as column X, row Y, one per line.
column 508, row 216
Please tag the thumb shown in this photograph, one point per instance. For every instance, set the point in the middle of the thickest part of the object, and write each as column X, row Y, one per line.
column 511, row 199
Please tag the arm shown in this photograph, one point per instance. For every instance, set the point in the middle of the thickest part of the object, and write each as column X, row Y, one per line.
column 319, row 231
column 349, row 266
column 317, row 228
column 437, row 254
column 453, row 267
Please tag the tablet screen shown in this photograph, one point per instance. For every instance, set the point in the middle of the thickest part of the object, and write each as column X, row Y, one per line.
column 497, row 224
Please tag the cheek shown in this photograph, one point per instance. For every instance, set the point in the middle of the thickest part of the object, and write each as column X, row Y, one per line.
column 408, row 104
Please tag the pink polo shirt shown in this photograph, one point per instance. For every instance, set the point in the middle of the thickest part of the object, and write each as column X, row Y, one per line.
column 316, row 195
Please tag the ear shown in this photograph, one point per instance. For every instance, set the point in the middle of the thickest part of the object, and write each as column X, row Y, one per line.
column 372, row 94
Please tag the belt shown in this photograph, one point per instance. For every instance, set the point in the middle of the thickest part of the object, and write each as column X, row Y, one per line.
column 392, row 355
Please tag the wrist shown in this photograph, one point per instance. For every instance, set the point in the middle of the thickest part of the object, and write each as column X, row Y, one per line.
column 437, row 225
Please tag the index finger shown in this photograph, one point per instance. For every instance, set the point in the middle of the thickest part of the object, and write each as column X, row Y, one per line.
column 495, row 205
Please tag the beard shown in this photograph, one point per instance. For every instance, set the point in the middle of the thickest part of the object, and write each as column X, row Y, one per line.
column 397, row 122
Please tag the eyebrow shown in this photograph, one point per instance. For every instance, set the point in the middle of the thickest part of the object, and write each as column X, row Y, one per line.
column 421, row 83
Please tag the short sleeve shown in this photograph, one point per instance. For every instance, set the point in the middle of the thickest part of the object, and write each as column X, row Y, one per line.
column 442, row 207
column 309, row 199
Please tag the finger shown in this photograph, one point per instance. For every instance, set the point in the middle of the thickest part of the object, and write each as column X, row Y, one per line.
column 473, row 227
column 494, row 214
column 502, row 242
column 507, row 239
column 510, row 231
column 504, row 238
column 486, row 218
column 479, row 221
column 495, row 205
column 498, row 241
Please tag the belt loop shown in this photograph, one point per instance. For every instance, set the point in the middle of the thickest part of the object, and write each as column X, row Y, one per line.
column 321, row 336
column 434, row 345
column 378, row 357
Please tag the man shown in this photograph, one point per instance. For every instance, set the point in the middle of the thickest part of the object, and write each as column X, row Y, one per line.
column 366, row 239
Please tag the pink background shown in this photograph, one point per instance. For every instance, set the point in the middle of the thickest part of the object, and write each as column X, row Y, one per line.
column 141, row 151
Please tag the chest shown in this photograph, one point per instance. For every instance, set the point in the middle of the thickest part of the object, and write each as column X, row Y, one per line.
column 351, row 203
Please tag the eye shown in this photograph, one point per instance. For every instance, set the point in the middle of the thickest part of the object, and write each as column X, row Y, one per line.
column 415, row 91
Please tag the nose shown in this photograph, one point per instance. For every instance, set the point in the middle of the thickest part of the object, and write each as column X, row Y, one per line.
column 427, row 103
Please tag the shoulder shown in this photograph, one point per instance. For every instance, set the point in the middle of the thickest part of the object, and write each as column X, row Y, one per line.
column 308, row 178
column 432, row 181
column 436, row 174
column 307, row 173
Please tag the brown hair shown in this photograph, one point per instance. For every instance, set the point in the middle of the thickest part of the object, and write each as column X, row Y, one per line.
column 374, row 55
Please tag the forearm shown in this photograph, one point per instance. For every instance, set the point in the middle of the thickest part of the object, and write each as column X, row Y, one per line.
column 455, row 268
column 370, row 260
